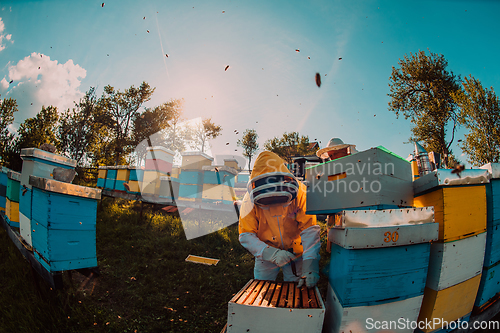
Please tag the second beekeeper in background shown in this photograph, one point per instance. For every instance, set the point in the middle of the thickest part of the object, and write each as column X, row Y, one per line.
column 274, row 225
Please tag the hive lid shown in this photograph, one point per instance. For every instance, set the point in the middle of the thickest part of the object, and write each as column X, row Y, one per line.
column 4, row 170
column 64, row 188
column 493, row 169
column 197, row 153
column 445, row 177
column 14, row 175
column 383, row 218
column 160, row 148
column 45, row 155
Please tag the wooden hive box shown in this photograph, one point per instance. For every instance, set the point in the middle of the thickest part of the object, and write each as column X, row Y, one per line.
column 459, row 203
column 38, row 163
column 3, row 187
column 122, row 176
column 449, row 304
column 218, row 175
column 363, row 319
column 362, row 269
column 151, row 182
column 195, row 160
column 109, row 183
column 64, row 224
column 232, row 163
column 159, row 159
column 372, row 179
column 191, row 185
column 101, row 176
column 273, row 307
column 493, row 193
column 454, row 262
column 136, row 174
column 489, row 286
column 242, row 179
column 169, row 188
column 218, row 194
column 12, row 198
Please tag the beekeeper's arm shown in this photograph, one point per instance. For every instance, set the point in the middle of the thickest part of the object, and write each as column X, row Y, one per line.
column 248, row 227
column 310, row 237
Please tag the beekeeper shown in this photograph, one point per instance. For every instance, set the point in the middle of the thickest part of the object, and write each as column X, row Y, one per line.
column 274, row 225
column 336, row 148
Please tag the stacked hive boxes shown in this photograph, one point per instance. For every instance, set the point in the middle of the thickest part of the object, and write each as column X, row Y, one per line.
column 109, row 183
column 218, row 184
column 63, row 224
column 3, row 188
column 378, row 268
column 122, row 176
column 191, row 175
column 101, row 176
column 457, row 258
column 158, row 164
column 38, row 163
column 135, row 180
column 490, row 278
column 379, row 255
column 12, row 198
column 372, row 179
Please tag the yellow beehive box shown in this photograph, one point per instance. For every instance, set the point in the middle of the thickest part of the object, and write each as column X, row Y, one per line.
column 459, row 210
column 195, row 160
column 134, row 186
column 102, row 172
column 221, row 193
column 122, row 173
column 449, row 304
column 459, row 201
column 12, row 210
column 232, row 163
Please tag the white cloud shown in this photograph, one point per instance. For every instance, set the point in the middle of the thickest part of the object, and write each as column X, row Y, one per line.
column 3, row 36
column 36, row 80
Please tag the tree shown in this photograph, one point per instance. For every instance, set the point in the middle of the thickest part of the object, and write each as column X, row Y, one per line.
column 204, row 132
column 79, row 133
column 421, row 90
column 34, row 132
column 249, row 144
column 122, row 108
column 290, row 145
column 480, row 114
column 7, row 108
column 150, row 125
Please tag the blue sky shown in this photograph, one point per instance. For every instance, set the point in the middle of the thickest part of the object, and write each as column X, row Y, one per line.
column 54, row 51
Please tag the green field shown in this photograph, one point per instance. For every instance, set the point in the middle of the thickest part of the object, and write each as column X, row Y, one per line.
column 144, row 285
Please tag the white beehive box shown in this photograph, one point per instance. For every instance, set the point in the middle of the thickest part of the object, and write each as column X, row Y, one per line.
column 364, row 319
column 274, row 307
column 454, row 262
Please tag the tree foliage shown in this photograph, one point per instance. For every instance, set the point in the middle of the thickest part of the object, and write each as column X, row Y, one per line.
column 151, row 125
column 81, row 128
column 7, row 108
column 290, row 145
column 249, row 144
column 204, row 132
column 34, row 132
column 122, row 108
column 480, row 114
column 421, row 90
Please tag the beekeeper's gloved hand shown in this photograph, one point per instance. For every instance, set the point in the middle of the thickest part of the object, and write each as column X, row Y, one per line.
column 277, row 256
column 310, row 273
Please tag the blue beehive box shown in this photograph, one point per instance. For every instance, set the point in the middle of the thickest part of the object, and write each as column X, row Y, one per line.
column 3, row 187
column 109, row 183
column 136, row 174
column 365, row 246
column 38, row 163
column 64, row 224
column 219, row 175
column 492, row 252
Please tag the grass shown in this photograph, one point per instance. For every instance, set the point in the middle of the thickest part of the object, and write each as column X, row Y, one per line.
column 144, row 285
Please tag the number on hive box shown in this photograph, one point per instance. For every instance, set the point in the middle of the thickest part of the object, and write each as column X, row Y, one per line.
column 394, row 236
